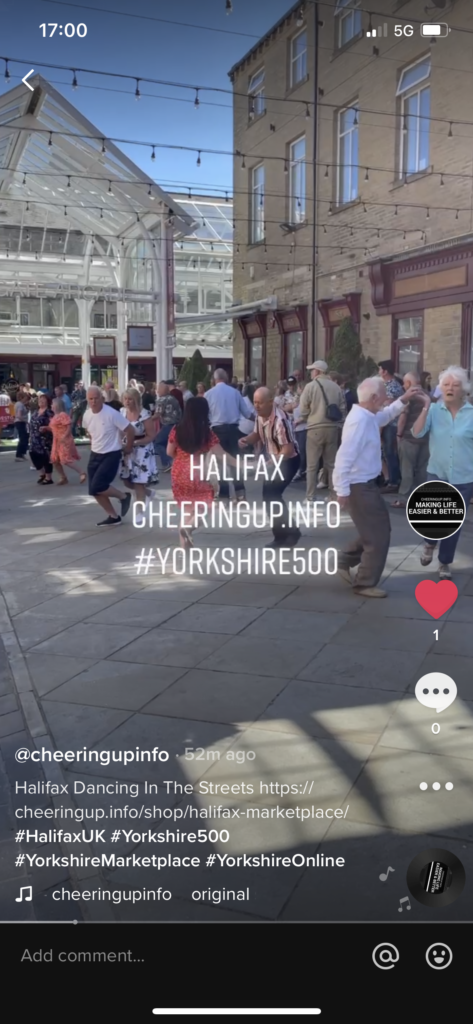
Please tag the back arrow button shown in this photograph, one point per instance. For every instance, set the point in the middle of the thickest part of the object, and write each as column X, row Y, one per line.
column 28, row 86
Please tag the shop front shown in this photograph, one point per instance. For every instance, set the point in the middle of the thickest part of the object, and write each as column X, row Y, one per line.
column 333, row 311
column 429, row 300
column 292, row 326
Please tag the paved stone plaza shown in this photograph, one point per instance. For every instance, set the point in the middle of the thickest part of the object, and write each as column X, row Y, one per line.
column 317, row 682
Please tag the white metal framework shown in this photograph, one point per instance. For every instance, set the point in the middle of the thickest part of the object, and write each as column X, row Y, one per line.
column 85, row 237
column 203, row 278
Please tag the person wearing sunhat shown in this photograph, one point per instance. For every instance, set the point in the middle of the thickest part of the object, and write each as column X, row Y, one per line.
column 323, row 408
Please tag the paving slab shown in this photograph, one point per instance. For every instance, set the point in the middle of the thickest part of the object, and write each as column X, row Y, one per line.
column 172, row 647
column 297, row 625
column 111, row 684
column 88, row 639
column 137, row 613
column 249, row 654
column 259, row 595
column 70, row 722
column 226, row 619
column 363, row 666
column 217, row 696
column 31, row 629
column 50, row 670
column 73, row 606
column 353, row 713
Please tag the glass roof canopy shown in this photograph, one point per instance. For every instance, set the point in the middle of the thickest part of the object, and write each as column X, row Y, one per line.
column 74, row 183
column 204, row 276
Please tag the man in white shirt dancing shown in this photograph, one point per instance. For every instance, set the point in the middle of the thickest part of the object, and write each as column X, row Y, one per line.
column 111, row 435
column 357, row 466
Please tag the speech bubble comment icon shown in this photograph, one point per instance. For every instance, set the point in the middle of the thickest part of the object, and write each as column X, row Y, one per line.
column 436, row 690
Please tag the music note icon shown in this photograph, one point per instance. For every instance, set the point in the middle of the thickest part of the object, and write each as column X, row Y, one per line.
column 384, row 878
column 24, row 888
column 405, row 899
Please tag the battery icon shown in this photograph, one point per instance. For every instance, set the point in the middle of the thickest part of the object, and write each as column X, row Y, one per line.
column 434, row 30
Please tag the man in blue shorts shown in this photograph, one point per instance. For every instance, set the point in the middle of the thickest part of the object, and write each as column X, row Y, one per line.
column 107, row 430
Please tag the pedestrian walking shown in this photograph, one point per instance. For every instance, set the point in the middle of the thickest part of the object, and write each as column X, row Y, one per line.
column 449, row 425
column 41, row 441
column 323, row 408
column 273, row 430
column 192, row 437
column 79, row 405
column 393, row 391
column 167, row 414
column 21, row 426
column 109, row 431
column 63, row 452
column 357, row 466
column 138, row 466
column 226, row 406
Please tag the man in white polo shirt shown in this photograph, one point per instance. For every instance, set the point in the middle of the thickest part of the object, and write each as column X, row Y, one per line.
column 107, row 429
column 357, row 466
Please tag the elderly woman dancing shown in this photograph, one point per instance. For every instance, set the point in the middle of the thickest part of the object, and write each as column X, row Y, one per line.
column 450, row 422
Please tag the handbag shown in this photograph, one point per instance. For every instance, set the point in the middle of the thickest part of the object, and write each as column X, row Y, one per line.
column 332, row 412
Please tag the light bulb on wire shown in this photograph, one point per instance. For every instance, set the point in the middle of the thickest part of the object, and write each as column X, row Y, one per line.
column 228, row 6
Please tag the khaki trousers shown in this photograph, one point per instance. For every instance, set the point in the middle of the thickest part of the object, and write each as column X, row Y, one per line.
column 369, row 549
column 322, row 443
column 413, row 459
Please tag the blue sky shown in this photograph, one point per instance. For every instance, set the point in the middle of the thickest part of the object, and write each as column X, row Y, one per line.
column 130, row 45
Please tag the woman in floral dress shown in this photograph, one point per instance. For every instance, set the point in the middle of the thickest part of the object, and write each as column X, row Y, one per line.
column 41, row 443
column 193, row 436
column 139, row 466
column 64, row 452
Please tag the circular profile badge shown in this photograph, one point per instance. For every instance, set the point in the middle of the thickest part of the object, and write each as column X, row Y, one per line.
column 435, row 878
column 436, row 510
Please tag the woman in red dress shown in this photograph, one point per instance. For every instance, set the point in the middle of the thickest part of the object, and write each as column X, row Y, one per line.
column 64, row 451
column 193, row 436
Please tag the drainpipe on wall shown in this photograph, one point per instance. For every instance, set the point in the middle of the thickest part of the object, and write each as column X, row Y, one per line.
column 313, row 296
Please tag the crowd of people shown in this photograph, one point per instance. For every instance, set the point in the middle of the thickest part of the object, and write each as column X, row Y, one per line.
column 390, row 435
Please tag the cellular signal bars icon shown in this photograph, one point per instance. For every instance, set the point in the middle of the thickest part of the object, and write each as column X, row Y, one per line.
column 377, row 32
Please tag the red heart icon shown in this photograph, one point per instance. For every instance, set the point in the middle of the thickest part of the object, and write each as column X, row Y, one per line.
column 436, row 598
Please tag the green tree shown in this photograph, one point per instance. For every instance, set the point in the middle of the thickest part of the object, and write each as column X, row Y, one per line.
column 195, row 370
column 346, row 355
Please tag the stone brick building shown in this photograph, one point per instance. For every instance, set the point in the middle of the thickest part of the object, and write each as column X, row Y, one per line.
column 274, row 89
column 393, row 185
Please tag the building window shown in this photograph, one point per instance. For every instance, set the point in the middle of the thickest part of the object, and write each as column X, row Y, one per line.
column 414, row 95
column 347, row 189
column 256, row 98
column 257, row 204
column 298, row 70
column 294, row 352
column 348, row 21
column 408, row 344
column 255, row 359
column 297, row 195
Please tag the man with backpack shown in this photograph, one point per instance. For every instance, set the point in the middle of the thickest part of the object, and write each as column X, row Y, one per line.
column 323, row 408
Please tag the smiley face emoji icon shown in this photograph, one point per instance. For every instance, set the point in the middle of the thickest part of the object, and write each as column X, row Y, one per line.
column 439, row 956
